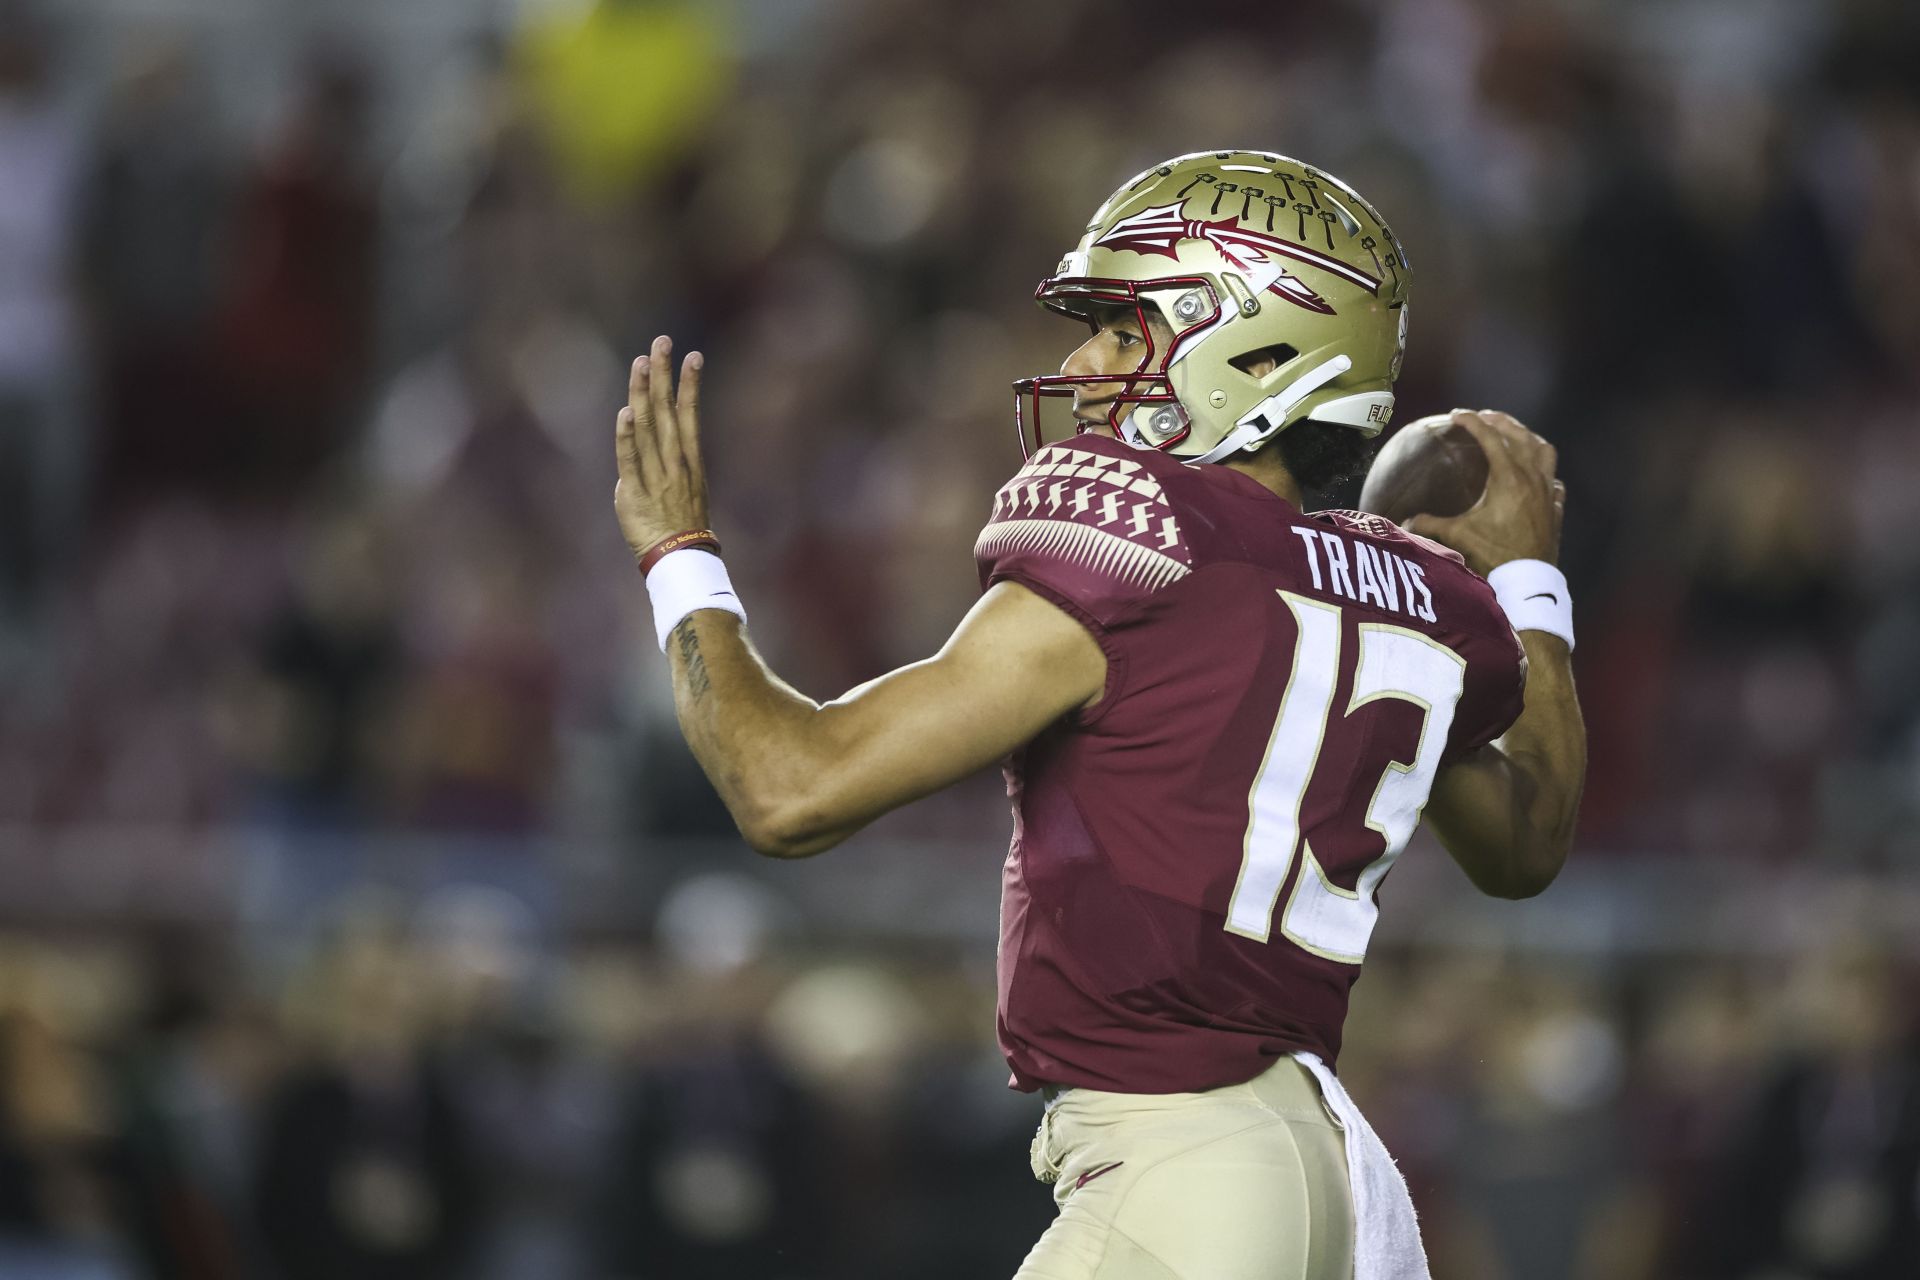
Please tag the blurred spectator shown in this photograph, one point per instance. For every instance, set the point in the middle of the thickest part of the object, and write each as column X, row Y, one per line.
column 191, row 1089
column 1819, row 1178
column 715, row 1171
column 155, row 214
column 297, row 324
column 42, row 442
column 542, row 1115
column 312, row 716
column 719, row 1148
column 1541, row 1150
column 477, row 740
column 365, row 1165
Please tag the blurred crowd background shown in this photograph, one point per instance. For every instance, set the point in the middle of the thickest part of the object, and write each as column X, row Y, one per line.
column 361, row 914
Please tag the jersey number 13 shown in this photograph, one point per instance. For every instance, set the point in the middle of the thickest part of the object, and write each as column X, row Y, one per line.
column 1394, row 662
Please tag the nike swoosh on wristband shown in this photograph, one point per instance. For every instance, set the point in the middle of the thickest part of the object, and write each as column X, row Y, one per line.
column 1091, row 1174
column 1544, row 595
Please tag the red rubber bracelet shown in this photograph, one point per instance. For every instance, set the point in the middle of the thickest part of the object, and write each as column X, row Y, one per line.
column 702, row 538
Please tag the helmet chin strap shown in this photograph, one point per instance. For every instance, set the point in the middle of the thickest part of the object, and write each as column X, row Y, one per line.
column 1260, row 423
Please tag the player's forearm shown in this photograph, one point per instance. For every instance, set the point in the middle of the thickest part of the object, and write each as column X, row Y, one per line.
column 800, row 776
column 754, row 735
column 1507, row 814
column 1548, row 748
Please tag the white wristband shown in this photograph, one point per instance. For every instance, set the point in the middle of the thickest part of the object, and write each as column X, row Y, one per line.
column 682, row 582
column 1534, row 596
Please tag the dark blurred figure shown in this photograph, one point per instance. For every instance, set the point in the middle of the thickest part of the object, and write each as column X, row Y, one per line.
column 190, row 1088
column 712, row 1176
column 1818, row 1180
column 155, row 206
column 296, row 331
column 1547, row 1147
column 42, row 450
column 477, row 747
column 366, row 1168
column 307, row 717
column 308, row 721
column 1702, row 1038
column 720, row 1157
column 538, row 1101
column 542, row 1128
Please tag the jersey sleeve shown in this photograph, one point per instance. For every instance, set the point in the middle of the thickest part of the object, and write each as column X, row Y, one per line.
column 1496, row 682
column 1088, row 528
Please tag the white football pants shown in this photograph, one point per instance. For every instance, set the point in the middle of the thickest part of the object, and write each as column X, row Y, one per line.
column 1246, row 1182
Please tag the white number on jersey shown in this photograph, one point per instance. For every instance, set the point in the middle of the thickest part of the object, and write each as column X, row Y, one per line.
column 1394, row 662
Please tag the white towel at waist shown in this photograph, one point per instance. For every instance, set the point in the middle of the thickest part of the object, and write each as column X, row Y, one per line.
column 1386, row 1235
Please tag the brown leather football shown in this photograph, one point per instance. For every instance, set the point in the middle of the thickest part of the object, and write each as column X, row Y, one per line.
column 1432, row 465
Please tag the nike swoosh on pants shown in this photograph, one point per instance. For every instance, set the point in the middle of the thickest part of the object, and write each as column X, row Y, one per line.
column 1091, row 1174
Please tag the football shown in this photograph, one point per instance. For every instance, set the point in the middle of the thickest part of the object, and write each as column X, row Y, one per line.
column 1432, row 466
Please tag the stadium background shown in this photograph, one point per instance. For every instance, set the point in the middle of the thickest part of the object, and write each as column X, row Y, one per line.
column 363, row 915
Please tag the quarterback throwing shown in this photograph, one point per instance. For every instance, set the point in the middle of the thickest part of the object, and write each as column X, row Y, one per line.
column 1222, row 715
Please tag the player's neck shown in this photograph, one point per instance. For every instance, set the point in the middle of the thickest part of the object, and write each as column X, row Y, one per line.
column 1267, row 469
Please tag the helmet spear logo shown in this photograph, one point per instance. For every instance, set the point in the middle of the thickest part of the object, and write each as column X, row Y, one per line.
column 1161, row 229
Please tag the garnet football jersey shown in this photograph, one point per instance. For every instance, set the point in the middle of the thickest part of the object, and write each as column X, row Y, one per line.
column 1196, row 858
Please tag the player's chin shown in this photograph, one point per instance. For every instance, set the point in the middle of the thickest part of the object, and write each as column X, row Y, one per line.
column 1087, row 427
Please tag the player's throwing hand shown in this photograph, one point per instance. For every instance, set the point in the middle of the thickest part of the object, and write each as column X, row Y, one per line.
column 1518, row 517
column 663, row 486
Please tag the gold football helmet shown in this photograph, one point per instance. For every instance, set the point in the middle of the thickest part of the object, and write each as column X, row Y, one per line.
column 1243, row 253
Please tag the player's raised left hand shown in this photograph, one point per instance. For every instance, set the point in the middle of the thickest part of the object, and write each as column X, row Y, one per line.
column 663, row 486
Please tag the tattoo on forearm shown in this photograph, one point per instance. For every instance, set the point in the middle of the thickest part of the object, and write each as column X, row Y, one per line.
column 690, row 657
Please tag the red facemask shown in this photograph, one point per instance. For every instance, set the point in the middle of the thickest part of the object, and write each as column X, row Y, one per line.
column 1145, row 413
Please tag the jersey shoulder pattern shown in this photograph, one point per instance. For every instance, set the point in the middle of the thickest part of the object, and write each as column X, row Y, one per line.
column 1086, row 519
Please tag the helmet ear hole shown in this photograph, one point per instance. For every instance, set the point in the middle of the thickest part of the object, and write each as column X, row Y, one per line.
column 1262, row 361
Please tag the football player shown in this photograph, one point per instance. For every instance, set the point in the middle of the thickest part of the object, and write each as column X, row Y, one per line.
column 1222, row 715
